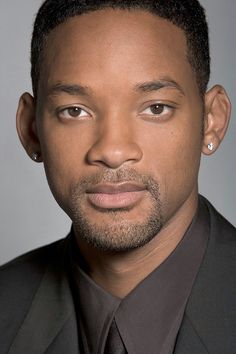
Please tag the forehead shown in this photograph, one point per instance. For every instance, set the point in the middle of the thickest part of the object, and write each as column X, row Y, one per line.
column 113, row 42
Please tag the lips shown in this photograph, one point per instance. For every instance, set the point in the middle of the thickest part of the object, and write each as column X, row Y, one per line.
column 115, row 196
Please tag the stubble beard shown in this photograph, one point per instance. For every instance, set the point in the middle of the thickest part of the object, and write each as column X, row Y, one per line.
column 119, row 234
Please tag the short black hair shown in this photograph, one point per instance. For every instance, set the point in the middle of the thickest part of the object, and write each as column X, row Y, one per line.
column 188, row 15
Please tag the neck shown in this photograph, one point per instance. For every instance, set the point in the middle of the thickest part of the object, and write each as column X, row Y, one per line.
column 119, row 273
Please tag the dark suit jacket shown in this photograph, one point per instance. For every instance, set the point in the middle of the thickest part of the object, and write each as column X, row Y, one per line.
column 37, row 312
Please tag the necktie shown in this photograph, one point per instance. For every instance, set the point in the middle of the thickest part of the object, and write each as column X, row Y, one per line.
column 114, row 344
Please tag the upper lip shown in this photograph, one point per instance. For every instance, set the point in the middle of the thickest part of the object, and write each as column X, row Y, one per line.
column 115, row 188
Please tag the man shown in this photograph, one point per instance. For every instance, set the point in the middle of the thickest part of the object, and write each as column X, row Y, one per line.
column 120, row 117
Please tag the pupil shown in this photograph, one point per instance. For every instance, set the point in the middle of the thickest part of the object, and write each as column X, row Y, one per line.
column 74, row 112
column 157, row 109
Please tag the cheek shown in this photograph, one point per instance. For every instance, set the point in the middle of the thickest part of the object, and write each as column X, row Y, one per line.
column 173, row 158
column 63, row 145
column 64, row 154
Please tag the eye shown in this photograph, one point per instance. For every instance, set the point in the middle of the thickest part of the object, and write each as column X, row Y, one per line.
column 72, row 113
column 158, row 110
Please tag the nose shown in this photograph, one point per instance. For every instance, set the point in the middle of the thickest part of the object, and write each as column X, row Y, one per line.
column 114, row 145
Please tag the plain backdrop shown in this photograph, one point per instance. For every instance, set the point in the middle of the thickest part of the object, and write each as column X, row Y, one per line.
column 29, row 216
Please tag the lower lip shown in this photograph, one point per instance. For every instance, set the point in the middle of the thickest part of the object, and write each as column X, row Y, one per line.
column 116, row 200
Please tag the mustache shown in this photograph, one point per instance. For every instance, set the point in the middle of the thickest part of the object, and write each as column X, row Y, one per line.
column 117, row 176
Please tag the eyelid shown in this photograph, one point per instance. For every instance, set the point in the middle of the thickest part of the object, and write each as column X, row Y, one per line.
column 161, row 101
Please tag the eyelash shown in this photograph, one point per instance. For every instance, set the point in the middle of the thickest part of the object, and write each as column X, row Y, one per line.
column 162, row 106
column 62, row 112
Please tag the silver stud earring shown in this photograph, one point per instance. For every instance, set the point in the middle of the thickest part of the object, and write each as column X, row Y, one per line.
column 210, row 146
column 35, row 156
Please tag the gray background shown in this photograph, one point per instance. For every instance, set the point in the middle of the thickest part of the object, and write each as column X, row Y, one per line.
column 29, row 216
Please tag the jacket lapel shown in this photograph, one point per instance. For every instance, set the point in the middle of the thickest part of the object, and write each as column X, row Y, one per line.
column 52, row 311
column 188, row 340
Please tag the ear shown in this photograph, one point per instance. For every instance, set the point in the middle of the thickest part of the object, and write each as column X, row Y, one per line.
column 216, row 120
column 26, row 126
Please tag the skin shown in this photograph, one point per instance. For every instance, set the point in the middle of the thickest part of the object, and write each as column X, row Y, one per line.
column 111, row 53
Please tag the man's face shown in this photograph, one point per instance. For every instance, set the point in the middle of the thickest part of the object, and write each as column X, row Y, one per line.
column 119, row 120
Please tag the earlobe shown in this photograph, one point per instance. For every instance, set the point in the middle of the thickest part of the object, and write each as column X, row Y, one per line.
column 216, row 119
column 26, row 126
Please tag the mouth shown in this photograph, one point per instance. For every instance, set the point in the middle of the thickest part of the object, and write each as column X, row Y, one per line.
column 115, row 196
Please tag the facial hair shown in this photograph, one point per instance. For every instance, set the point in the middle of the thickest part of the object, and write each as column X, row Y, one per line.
column 119, row 234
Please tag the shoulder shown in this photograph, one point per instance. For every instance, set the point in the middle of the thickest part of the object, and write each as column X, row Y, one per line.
column 23, row 273
column 219, row 263
column 211, row 307
column 31, row 263
column 215, row 284
column 19, row 281
column 222, row 232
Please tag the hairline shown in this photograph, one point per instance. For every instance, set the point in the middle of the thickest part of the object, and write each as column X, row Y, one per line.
column 189, row 51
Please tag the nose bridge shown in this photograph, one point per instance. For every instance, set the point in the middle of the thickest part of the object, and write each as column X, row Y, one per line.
column 116, row 129
column 115, row 142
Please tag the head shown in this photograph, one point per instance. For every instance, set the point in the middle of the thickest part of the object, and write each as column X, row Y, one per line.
column 121, row 114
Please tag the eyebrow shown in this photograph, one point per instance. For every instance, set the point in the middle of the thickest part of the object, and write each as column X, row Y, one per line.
column 158, row 85
column 70, row 89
